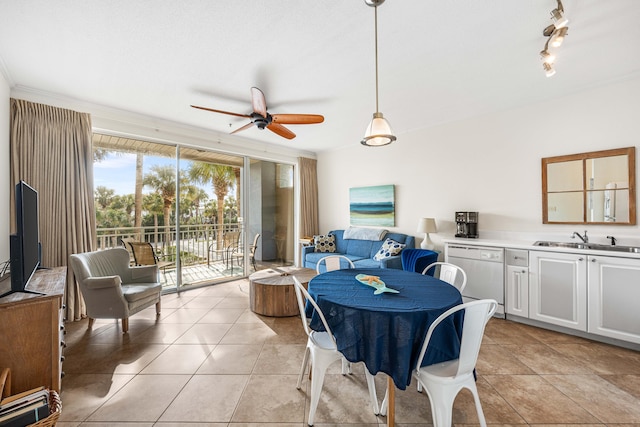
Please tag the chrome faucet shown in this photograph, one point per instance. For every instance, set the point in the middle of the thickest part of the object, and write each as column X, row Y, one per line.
column 585, row 238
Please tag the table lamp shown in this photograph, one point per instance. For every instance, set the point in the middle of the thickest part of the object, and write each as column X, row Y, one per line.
column 426, row 226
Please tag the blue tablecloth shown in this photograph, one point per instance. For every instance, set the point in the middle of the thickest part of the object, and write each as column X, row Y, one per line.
column 386, row 331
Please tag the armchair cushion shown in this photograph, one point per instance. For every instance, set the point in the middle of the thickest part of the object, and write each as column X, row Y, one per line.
column 103, row 282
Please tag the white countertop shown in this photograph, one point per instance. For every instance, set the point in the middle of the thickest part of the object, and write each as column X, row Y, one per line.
column 529, row 245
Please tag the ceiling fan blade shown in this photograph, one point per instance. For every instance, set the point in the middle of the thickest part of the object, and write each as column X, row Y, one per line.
column 258, row 102
column 248, row 125
column 220, row 111
column 297, row 119
column 281, row 130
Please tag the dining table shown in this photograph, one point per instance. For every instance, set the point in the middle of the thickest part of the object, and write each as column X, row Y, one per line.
column 386, row 330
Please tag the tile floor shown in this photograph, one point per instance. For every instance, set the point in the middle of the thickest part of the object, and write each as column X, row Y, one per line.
column 209, row 361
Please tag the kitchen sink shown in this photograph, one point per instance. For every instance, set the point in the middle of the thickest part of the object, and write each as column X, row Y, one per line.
column 562, row 245
column 593, row 246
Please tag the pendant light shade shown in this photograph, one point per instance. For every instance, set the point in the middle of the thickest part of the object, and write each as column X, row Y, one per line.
column 379, row 131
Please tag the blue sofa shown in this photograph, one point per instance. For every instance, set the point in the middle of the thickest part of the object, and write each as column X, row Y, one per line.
column 361, row 252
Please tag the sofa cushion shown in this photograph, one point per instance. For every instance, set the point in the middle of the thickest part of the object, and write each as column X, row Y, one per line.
column 325, row 243
column 389, row 248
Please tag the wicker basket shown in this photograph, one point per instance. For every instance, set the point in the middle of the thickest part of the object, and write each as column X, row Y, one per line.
column 55, row 407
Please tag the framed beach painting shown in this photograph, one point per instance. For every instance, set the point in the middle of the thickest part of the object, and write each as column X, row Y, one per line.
column 372, row 206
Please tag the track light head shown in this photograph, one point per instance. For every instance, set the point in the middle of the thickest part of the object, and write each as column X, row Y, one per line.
column 547, row 57
column 558, row 36
column 549, row 70
column 558, row 19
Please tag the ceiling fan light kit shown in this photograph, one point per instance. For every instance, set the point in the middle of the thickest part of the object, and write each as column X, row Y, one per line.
column 379, row 131
column 261, row 118
column 555, row 34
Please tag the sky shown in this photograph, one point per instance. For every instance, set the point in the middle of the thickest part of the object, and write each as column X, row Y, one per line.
column 118, row 172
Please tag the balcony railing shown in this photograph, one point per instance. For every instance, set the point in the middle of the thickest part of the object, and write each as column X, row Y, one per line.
column 197, row 243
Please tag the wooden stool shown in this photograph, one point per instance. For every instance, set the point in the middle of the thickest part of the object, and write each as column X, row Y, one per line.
column 272, row 293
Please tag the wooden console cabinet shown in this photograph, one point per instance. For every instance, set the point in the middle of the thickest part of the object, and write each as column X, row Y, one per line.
column 32, row 331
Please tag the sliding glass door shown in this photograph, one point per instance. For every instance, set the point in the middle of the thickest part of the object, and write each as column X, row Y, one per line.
column 199, row 211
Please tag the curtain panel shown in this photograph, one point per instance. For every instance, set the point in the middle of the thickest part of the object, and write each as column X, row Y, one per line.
column 51, row 151
column 308, row 196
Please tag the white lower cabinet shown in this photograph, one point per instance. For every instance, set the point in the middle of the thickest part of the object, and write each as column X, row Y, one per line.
column 517, row 282
column 614, row 297
column 558, row 289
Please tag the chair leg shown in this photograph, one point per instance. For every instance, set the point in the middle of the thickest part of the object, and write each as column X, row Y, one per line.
column 346, row 366
column 305, row 361
column 158, row 308
column 317, row 379
column 476, row 398
column 441, row 399
column 125, row 325
column 371, row 385
column 91, row 320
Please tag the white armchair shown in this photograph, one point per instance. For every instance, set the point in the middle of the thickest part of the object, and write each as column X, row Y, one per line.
column 111, row 288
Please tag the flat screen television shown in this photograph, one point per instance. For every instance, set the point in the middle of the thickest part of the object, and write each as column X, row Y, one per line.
column 24, row 245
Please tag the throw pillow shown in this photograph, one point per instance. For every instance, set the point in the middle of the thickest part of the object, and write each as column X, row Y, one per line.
column 325, row 243
column 389, row 248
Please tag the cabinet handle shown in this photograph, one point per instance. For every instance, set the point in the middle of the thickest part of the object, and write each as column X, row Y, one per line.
column 580, row 259
column 593, row 260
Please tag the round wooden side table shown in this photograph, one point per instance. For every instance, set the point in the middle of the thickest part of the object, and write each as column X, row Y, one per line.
column 272, row 290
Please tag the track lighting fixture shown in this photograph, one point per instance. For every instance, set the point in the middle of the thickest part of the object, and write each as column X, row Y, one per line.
column 555, row 34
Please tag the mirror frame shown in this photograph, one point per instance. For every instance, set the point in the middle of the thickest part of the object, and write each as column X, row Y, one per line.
column 630, row 152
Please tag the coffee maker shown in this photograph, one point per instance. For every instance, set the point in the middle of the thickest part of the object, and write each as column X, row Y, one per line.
column 467, row 224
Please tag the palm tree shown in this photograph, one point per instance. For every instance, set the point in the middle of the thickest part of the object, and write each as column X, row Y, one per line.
column 221, row 177
column 163, row 180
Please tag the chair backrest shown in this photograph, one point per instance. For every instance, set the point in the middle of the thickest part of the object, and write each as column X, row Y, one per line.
column 333, row 262
column 301, row 295
column 417, row 259
column 449, row 273
column 109, row 262
column 254, row 245
column 143, row 253
column 231, row 239
column 476, row 315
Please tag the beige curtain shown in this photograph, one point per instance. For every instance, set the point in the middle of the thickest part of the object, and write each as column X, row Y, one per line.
column 51, row 151
column 308, row 197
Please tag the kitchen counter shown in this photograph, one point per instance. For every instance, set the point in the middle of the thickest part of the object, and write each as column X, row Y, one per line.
column 529, row 245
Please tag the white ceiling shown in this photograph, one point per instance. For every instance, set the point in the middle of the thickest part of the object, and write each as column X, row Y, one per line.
column 439, row 61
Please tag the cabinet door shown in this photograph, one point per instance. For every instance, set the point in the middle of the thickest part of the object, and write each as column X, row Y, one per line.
column 517, row 291
column 614, row 292
column 558, row 289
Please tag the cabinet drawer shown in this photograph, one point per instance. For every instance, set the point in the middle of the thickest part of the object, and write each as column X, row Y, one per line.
column 517, row 257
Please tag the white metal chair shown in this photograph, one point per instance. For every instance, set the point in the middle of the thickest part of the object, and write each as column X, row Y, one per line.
column 443, row 381
column 449, row 273
column 332, row 262
column 321, row 351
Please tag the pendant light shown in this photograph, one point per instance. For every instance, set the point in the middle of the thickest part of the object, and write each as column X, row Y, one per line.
column 379, row 131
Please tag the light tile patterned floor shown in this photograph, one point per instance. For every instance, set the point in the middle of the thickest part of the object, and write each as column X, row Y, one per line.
column 209, row 361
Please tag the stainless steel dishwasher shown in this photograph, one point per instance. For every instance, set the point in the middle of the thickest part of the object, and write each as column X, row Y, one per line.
column 485, row 271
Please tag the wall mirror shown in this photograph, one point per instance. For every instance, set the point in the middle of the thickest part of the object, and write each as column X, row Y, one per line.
column 590, row 188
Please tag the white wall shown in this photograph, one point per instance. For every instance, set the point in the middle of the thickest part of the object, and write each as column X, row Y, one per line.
column 490, row 164
column 4, row 168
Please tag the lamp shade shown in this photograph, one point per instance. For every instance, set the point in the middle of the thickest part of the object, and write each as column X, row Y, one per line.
column 427, row 225
column 378, row 132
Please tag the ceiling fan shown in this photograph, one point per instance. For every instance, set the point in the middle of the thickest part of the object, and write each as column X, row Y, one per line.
column 262, row 119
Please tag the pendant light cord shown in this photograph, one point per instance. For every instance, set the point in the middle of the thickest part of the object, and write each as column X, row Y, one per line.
column 376, row 44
